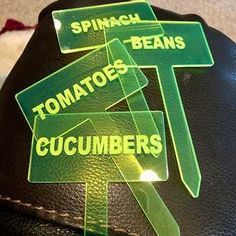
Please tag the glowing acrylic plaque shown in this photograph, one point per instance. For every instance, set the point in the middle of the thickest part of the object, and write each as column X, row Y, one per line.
column 88, row 84
column 82, row 28
column 183, row 45
column 69, row 153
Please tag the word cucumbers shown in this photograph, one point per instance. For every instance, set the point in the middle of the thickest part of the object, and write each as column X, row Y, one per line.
column 96, row 145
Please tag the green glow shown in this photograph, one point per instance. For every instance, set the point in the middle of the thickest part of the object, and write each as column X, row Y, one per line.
column 83, row 82
column 82, row 28
column 98, row 170
column 183, row 45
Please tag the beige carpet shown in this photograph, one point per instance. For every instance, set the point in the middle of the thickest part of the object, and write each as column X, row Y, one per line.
column 221, row 14
column 218, row 13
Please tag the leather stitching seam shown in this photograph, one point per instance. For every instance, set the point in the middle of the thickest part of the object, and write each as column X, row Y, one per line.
column 65, row 215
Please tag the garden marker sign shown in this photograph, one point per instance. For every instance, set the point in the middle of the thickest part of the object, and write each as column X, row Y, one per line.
column 183, row 45
column 82, row 29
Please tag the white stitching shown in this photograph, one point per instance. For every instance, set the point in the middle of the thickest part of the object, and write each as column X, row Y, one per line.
column 66, row 215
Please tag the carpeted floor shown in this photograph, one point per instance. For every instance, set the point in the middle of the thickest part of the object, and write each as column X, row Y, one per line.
column 218, row 13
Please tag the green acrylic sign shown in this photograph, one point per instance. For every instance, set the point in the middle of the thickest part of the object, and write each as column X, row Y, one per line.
column 98, row 149
column 183, row 45
column 70, row 89
column 81, row 29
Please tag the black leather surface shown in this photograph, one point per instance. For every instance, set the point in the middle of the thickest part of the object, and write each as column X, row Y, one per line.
column 209, row 97
column 13, row 223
